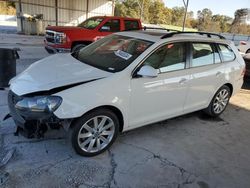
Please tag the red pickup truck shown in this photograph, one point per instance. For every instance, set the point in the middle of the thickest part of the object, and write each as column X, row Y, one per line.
column 70, row 39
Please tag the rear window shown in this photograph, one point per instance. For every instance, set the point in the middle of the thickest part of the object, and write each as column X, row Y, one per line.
column 226, row 52
column 131, row 25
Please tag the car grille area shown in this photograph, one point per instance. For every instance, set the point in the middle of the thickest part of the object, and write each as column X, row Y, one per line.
column 50, row 36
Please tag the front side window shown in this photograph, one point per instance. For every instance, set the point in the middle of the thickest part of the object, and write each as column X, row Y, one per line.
column 91, row 23
column 112, row 53
column 112, row 26
column 169, row 57
column 226, row 52
column 202, row 54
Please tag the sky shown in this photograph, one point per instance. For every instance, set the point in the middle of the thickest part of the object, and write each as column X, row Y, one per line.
column 225, row 7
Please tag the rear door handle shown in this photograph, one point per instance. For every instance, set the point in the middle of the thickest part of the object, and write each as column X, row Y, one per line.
column 183, row 81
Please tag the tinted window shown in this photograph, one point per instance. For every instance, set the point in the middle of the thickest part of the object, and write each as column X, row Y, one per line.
column 112, row 26
column 131, row 25
column 226, row 52
column 169, row 57
column 202, row 54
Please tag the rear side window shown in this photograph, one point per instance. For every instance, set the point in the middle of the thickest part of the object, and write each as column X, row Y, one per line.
column 226, row 52
column 131, row 25
column 202, row 54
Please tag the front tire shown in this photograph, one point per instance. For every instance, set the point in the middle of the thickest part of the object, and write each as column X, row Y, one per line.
column 219, row 102
column 95, row 132
column 78, row 47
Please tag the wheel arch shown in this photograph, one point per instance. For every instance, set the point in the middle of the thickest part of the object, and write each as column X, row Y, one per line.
column 74, row 43
column 114, row 109
column 230, row 87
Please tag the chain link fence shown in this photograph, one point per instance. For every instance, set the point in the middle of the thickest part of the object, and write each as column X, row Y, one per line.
column 236, row 38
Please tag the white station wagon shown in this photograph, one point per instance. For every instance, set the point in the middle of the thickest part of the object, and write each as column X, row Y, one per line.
column 124, row 81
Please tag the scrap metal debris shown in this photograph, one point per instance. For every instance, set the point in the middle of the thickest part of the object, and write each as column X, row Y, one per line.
column 5, row 155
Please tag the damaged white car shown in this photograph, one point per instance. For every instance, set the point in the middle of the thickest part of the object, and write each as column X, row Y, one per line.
column 124, row 81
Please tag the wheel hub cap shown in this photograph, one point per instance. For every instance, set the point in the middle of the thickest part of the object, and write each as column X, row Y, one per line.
column 221, row 101
column 96, row 134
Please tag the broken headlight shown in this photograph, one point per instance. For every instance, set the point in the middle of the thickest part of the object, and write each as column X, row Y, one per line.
column 40, row 104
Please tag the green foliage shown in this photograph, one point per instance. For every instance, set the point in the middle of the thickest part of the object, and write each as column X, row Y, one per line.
column 155, row 12
column 7, row 8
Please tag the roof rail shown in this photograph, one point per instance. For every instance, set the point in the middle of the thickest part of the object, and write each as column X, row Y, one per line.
column 159, row 28
column 209, row 35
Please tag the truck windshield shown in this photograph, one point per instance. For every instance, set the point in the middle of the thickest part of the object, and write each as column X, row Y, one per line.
column 90, row 23
column 112, row 53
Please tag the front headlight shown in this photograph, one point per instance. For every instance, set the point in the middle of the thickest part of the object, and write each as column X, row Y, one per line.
column 39, row 104
column 60, row 38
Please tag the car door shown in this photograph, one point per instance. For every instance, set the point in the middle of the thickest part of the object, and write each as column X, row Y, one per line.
column 155, row 99
column 207, row 75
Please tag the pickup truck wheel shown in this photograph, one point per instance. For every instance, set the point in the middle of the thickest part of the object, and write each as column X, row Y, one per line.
column 219, row 102
column 95, row 132
column 78, row 47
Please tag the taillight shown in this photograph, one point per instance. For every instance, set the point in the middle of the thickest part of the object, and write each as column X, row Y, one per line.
column 243, row 43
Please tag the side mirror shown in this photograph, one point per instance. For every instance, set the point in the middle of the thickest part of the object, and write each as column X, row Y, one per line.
column 105, row 28
column 147, row 71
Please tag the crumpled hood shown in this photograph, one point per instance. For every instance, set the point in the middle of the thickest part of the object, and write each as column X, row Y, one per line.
column 53, row 72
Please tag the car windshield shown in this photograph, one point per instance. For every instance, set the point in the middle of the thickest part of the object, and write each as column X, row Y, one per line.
column 113, row 53
column 91, row 23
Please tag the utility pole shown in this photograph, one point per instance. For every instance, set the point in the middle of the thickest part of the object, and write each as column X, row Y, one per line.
column 185, row 15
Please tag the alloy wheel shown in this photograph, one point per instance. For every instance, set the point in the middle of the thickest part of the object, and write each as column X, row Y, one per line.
column 221, row 101
column 96, row 134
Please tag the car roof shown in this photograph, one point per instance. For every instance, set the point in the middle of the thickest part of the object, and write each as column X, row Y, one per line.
column 115, row 17
column 158, row 35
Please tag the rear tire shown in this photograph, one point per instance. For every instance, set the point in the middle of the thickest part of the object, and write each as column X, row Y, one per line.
column 78, row 47
column 219, row 102
column 95, row 132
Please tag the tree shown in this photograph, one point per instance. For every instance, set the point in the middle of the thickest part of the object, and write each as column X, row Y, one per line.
column 237, row 25
column 177, row 15
column 7, row 8
column 158, row 13
column 204, row 19
column 134, row 9
column 223, row 21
